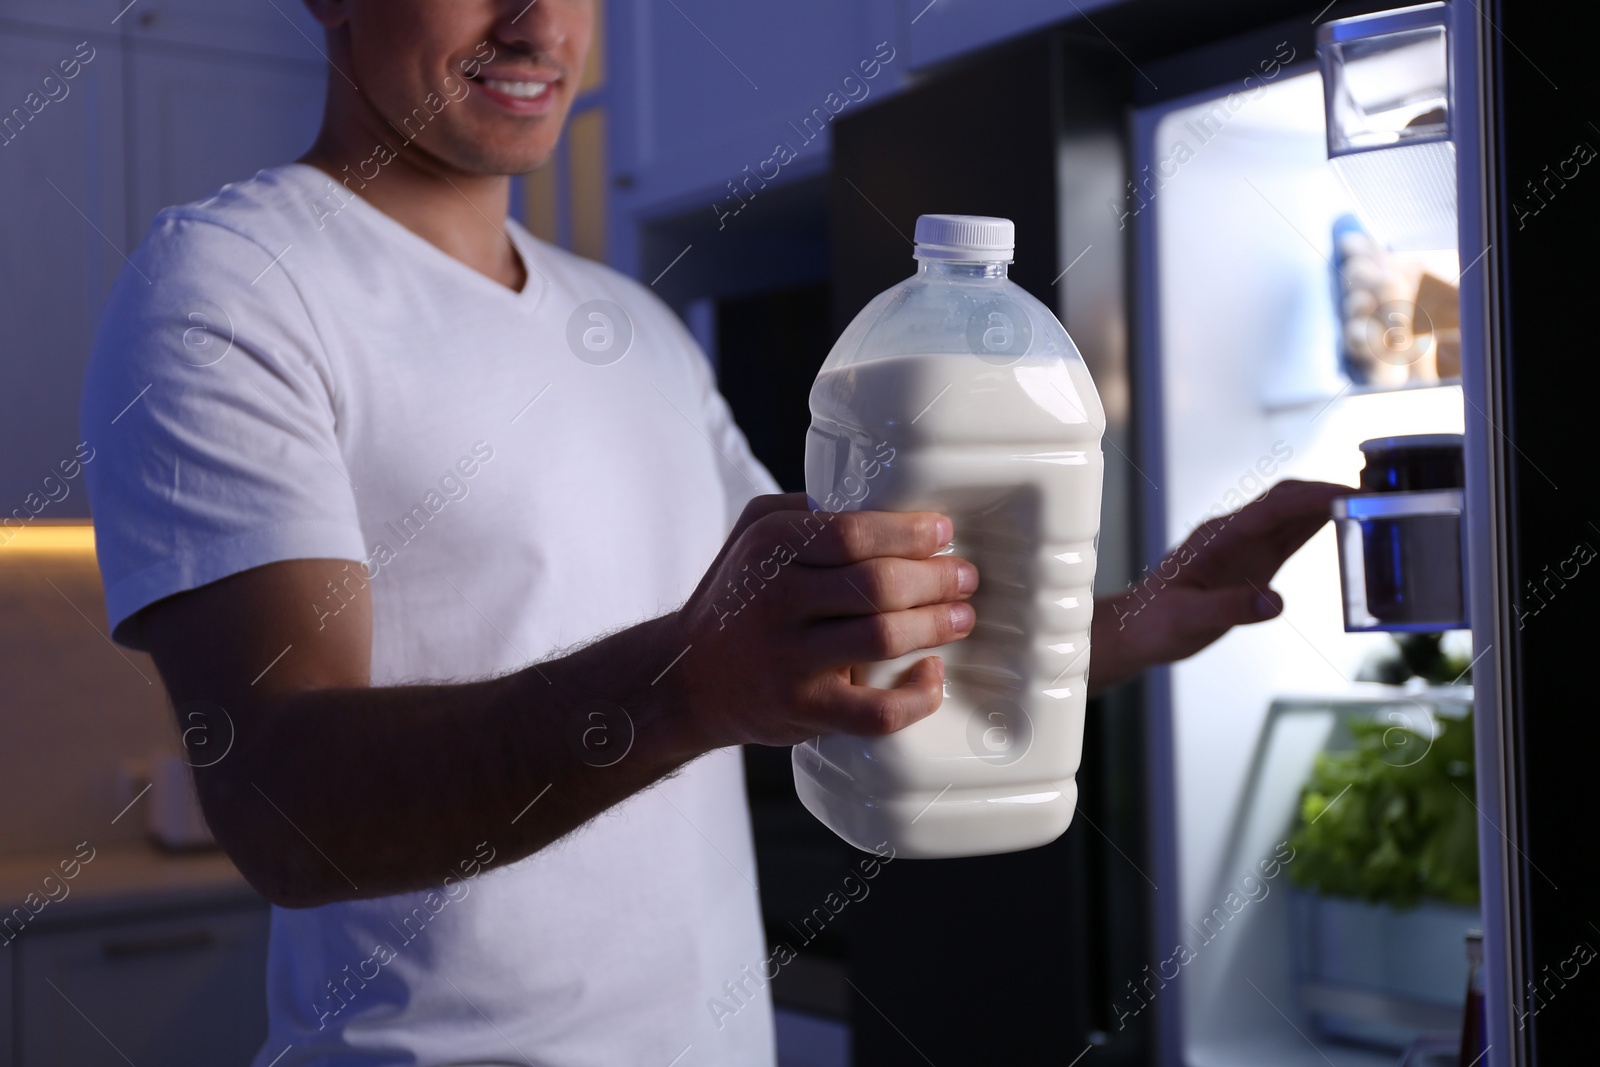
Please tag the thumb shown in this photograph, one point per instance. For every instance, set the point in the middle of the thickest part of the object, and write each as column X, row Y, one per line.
column 870, row 712
column 1241, row 605
column 1265, row 603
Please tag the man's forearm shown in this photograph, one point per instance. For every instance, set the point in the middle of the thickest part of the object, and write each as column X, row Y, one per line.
column 351, row 793
column 348, row 793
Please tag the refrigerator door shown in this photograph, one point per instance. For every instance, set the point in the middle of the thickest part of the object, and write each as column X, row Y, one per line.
column 1280, row 949
column 1532, row 230
column 1386, row 80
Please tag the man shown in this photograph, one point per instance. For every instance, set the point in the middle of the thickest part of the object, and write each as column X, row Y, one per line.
column 367, row 473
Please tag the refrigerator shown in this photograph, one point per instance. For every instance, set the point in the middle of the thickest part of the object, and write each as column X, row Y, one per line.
column 1277, row 232
column 1264, row 269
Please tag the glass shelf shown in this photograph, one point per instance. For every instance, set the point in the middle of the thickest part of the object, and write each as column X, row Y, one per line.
column 1362, row 974
column 1352, row 389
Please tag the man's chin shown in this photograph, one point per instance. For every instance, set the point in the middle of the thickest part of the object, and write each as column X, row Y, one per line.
column 486, row 164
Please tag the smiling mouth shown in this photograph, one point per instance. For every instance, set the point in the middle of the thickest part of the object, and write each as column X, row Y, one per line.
column 521, row 90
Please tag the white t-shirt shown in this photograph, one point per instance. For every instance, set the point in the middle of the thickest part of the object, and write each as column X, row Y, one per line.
column 286, row 372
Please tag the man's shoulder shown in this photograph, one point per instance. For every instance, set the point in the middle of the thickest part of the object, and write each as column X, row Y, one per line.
column 274, row 207
column 205, row 270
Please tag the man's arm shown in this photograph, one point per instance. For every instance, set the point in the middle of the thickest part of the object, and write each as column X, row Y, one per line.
column 1216, row 580
column 333, row 789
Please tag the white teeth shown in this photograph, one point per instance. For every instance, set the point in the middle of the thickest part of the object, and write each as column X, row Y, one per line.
column 520, row 89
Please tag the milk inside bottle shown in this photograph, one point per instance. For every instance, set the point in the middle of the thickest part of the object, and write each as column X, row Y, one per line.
column 957, row 391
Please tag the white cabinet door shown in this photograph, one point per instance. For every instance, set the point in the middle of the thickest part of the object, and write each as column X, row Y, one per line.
column 200, row 120
column 62, row 236
column 280, row 28
column 90, row 16
column 704, row 88
column 173, row 992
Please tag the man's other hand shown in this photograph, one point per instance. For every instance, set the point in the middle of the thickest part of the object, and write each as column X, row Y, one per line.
column 1216, row 580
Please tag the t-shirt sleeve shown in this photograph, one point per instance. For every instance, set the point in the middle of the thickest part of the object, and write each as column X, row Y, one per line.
column 210, row 410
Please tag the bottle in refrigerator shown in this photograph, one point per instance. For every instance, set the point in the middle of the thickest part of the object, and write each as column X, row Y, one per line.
column 957, row 391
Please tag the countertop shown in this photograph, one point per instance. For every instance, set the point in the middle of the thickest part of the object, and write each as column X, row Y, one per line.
column 118, row 882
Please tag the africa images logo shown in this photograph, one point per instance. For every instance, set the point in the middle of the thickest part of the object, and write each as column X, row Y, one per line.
column 599, row 332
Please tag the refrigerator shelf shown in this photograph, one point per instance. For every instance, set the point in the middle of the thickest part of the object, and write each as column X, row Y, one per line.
column 1288, row 405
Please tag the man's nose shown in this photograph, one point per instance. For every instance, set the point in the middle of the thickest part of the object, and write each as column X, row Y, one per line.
column 536, row 28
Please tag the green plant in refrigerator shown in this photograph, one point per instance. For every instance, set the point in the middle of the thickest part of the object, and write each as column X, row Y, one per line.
column 1381, row 823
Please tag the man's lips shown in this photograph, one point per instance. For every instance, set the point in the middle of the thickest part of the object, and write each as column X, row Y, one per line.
column 522, row 91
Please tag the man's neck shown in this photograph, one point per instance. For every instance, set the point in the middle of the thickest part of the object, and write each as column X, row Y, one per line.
column 462, row 215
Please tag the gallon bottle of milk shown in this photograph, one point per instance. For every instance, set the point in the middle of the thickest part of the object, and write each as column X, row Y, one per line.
column 956, row 391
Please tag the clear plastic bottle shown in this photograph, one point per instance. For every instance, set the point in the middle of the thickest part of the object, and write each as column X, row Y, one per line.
column 957, row 391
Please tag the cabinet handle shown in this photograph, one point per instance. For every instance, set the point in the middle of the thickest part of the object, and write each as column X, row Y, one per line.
column 150, row 946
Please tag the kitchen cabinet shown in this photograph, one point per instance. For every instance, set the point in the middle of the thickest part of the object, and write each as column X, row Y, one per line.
column 140, row 955
column 180, row 989
column 714, row 84
column 279, row 28
column 179, row 97
column 89, row 16
column 7, row 1040
column 703, row 89
column 200, row 119
column 62, row 212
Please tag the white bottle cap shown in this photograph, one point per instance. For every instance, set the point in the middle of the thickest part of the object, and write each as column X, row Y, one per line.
column 967, row 238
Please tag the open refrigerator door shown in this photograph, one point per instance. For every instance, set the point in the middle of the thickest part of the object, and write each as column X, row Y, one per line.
column 1301, row 228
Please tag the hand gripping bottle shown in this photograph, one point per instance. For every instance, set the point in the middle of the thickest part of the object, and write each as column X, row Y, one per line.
column 957, row 391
